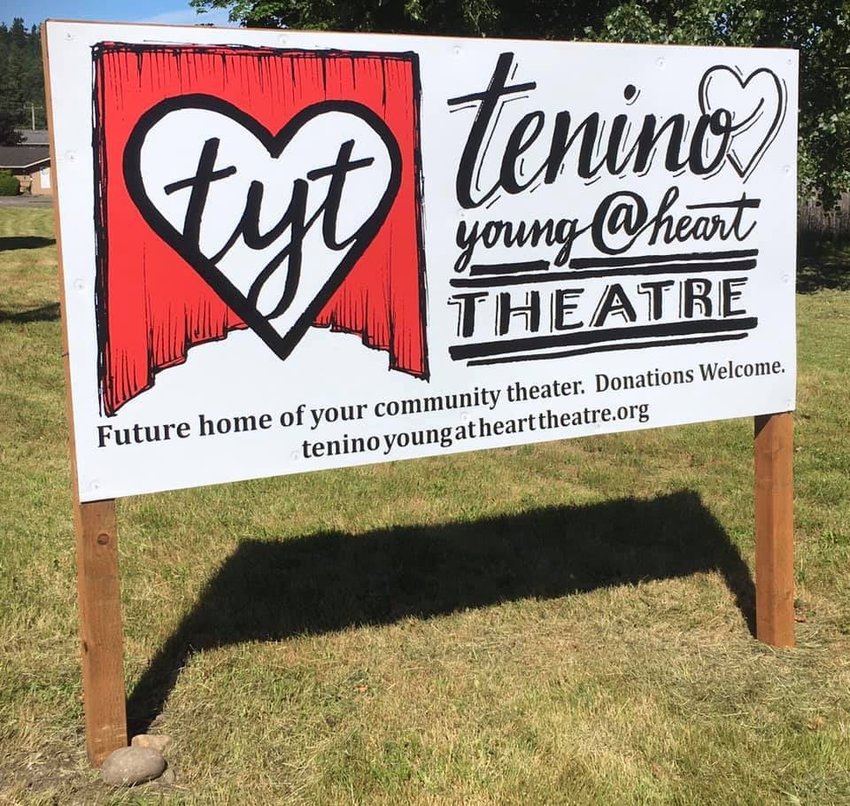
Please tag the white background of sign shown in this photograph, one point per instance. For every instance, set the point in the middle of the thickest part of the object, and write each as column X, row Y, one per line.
column 241, row 376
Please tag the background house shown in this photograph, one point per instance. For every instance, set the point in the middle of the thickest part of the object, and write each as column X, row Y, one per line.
column 29, row 162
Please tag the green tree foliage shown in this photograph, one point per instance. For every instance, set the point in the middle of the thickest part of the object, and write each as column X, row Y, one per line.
column 819, row 29
column 21, row 75
column 9, row 135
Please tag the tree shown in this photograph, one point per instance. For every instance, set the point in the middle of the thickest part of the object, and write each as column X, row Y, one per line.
column 21, row 74
column 819, row 29
column 9, row 135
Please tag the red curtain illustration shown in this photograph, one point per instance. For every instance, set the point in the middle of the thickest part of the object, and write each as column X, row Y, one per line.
column 152, row 304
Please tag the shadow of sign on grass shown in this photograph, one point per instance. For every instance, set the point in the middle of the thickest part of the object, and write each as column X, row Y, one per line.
column 323, row 583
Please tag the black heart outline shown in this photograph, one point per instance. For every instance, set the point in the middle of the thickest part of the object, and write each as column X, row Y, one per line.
column 745, row 171
column 275, row 144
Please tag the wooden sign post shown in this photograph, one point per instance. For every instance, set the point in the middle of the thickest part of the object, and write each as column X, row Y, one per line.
column 101, row 633
column 774, row 507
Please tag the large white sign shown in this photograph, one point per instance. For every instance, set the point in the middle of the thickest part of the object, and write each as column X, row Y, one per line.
column 290, row 251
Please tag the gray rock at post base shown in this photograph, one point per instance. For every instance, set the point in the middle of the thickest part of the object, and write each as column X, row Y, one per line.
column 129, row 766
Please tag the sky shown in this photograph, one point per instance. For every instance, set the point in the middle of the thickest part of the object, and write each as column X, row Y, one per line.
column 173, row 12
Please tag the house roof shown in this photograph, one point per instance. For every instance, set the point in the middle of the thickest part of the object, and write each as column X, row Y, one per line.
column 32, row 137
column 24, row 157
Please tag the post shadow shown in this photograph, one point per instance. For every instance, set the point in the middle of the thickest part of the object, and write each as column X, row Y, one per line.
column 10, row 242
column 44, row 313
column 270, row 591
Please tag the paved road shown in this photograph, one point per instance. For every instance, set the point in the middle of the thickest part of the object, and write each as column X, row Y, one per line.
column 26, row 201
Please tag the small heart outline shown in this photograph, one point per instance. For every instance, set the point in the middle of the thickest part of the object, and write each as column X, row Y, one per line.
column 745, row 170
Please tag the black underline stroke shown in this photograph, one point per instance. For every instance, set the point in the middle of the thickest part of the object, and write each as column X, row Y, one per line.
column 460, row 352
column 636, row 260
column 515, row 267
column 636, row 271
column 604, row 348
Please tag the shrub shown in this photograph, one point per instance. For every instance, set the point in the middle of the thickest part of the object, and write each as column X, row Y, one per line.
column 8, row 184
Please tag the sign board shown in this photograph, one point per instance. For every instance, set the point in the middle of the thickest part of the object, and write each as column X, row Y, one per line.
column 286, row 251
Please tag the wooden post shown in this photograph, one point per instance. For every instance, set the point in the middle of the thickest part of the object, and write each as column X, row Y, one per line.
column 774, row 506
column 98, row 584
column 101, row 634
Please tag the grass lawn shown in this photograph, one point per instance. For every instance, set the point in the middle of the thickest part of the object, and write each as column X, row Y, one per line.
column 562, row 623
